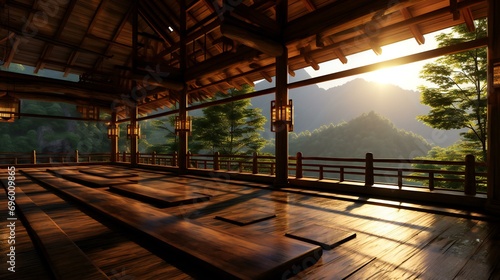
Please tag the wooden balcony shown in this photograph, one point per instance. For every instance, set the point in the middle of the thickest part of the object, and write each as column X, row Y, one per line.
column 238, row 232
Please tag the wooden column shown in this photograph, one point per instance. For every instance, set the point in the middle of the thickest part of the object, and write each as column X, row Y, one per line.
column 133, row 138
column 493, row 108
column 281, row 97
column 114, row 139
column 183, row 136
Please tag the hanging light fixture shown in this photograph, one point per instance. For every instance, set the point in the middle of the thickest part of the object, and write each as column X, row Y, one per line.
column 89, row 112
column 9, row 108
column 113, row 131
column 135, row 131
column 281, row 115
column 496, row 75
column 183, row 125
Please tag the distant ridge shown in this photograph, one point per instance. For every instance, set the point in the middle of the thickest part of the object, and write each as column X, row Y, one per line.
column 315, row 106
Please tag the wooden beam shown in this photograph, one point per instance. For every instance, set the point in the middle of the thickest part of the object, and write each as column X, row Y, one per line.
column 468, row 19
column 309, row 5
column 493, row 109
column 49, row 40
column 340, row 55
column 155, row 25
column 478, row 43
column 454, row 9
column 413, row 27
column 74, row 55
column 329, row 16
column 255, row 41
column 224, row 60
column 47, row 49
column 256, row 17
column 12, row 52
column 153, row 79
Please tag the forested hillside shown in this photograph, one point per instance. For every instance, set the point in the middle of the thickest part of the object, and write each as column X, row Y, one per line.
column 315, row 106
column 52, row 135
column 366, row 133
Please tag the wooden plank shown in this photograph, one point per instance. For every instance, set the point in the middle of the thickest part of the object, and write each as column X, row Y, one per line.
column 244, row 216
column 29, row 264
column 157, row 196
column 108, row 174
column 327, row 237
column 65, row 259
column 226, row 255
column 89, row 180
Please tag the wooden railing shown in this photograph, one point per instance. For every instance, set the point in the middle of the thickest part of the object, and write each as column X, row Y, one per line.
column 468, row 175
column 51, row 158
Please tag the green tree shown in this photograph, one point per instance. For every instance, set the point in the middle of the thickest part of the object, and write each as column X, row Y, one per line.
column 171, row 143
column 231, row 128
column 458, row 99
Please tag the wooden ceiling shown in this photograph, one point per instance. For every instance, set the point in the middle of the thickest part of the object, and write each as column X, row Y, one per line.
column 133, row 51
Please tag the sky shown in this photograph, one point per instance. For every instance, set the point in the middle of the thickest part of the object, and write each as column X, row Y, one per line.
column 405, row 76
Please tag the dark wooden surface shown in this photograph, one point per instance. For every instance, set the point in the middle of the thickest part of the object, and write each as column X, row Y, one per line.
column 245, row 216
column 162, row 198
column 64, row 257
column 266, row 256
column 89, row 180
column 327, row 237
column 394, row 240
column 108, row 173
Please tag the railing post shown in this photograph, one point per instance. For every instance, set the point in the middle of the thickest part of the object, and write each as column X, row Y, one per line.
column 153, row 158
column 174, row 159
column 188, row 158
column 298, row 166
column 400, row 179
column 470, row 175
column 321, row 169
column 77, row 156
column 369, row 176
column 341, row 179
column 138, row 157
column 431, row 181
column 124, row 156
column 255, row 164
column 216, row 161
column 33, row 157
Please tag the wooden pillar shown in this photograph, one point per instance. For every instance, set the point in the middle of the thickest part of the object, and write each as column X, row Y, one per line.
column 114, row 139
column 493, row 107
column 133, row 137
column 281, row 97
column 183, row 135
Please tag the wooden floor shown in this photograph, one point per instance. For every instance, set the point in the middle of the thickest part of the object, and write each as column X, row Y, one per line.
column 393, row 240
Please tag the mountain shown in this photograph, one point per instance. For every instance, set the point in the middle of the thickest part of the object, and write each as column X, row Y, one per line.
column 368, row 133
column 315, row 106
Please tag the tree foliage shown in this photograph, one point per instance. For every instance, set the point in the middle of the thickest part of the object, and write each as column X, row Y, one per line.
column 52, row 135
column 231, row 128
column 458, row 98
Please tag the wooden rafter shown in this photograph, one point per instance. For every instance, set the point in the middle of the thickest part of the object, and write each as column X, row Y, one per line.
column 468, row 19
column 413, row 27
column 47, row 49
column 74, row 55
column 117, row 33
column 153, row 23
column 309, row 5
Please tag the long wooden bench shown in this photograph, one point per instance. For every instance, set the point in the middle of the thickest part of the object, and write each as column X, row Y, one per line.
column 64, row 257
column 224, row 255
column 159, row 197
column 89, row 180
column 107, row 174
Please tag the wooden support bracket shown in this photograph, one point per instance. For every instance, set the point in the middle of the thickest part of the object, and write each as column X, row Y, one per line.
column 413, row 27
column 252, row 40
